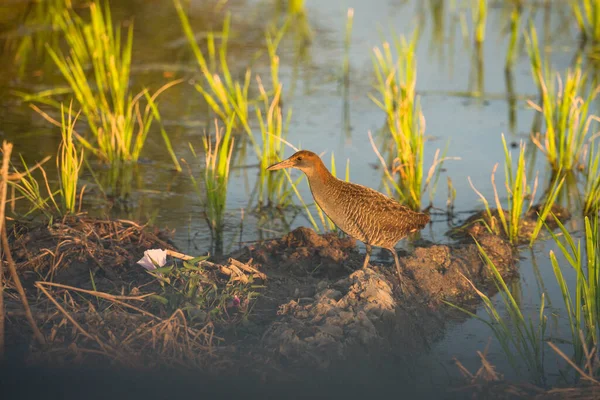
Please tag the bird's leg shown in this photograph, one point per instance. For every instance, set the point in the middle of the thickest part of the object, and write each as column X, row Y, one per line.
column 368, row 256
column 398, row 268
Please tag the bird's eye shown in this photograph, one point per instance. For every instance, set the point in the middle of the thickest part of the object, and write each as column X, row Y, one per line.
column 299, row 158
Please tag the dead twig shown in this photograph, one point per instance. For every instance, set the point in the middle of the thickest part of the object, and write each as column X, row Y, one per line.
column 113, row 298
column 7, row 149
column 3, row 187
column 70, row 318
column 584, row 375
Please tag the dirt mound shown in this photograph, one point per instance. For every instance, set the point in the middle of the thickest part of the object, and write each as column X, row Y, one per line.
column 303, row 252
column 317, row 305
column 316, row 322
column 323, row 328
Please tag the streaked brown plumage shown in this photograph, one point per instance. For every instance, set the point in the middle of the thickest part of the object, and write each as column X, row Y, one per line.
column 359, row 211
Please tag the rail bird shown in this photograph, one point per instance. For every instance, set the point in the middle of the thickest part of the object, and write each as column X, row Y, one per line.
column 357, row 210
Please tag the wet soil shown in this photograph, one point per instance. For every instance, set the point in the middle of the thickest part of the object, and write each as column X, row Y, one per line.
column 317, row 308
column 320, row 306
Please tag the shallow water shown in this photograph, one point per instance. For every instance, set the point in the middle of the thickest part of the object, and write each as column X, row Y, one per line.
column 326, row 121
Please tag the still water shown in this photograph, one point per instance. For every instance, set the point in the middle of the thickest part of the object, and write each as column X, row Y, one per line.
column 467, row 98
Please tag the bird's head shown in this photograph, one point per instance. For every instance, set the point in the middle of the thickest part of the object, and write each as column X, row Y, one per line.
column 304, row 160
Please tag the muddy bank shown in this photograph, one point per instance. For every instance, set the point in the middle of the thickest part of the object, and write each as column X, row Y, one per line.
column 320, row 306
column 317, row 308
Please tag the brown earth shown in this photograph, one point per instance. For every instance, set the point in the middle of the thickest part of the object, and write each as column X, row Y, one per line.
column 317, row 308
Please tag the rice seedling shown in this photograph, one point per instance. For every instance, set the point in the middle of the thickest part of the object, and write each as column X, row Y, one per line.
column 114, row 115
column 479, row 15
column 273, row 190
column 396, row 84
column 592, row 182
column 521, row 338
column 564, row 107
column 587, row 15
column 69, row 162
column 217, row 158
column 40, row 197
column 582, row 306
column 224, row 96
column 566, row 118
column 396, row 80
column 550, row 200
column 517, row 190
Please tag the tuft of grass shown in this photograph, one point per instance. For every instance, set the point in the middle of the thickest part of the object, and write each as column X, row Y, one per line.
column 69, row 162
column 40, row 197
column 517, row 190
column 396, row 86
column 225, row 97
column 479, row 11
column 564, row 106
column 587, row 15
column 217, row 158
column 550, row 199
column 521, row 338
column 273, row 190
column 582, row 306
column 592, row 183
column 118, row 122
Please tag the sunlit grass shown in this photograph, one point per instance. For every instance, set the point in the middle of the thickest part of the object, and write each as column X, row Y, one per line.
column 583, row 304
column 592, row 182
column 115, row 116
column 396, row 85
column 587, row 15
column 38, row 191
column 550, row 199
column 521, row 338
column 213, row 195
column 567, row 121
column 39, row 196
column 272, row 189
column 479, row 11
column 518, row 191
column 565, row 109
column 69, row 162
column 225, row 96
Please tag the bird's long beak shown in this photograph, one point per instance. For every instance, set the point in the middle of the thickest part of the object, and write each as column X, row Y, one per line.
column 280, row 165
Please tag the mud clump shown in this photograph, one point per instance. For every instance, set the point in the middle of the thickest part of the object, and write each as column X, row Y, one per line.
column 337, row 318
column 317, row 306
column 365, row 313
column 303, row 252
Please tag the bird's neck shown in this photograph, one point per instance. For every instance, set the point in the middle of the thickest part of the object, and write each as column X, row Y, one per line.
column 319, row 178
